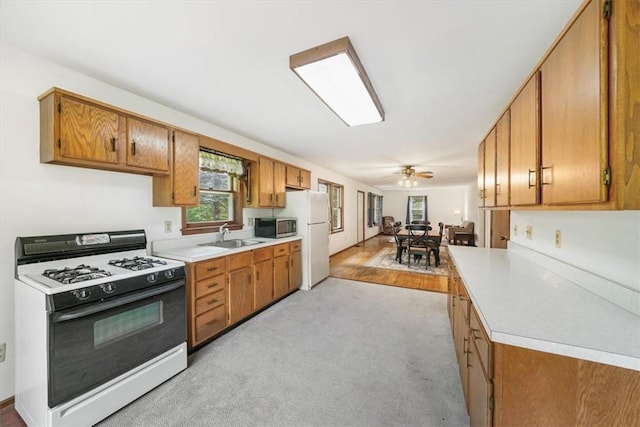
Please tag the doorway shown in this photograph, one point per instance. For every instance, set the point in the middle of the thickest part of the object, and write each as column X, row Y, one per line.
column 360, row 218
column 500, row 221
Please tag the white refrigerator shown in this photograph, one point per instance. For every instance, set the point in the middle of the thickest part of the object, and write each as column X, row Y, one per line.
column 311, row 209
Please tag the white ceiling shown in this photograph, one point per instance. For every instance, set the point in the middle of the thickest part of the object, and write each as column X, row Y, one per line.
column 443, row 70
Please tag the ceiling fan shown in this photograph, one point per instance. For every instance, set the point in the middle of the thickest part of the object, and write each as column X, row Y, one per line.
column 408, row 172
column 409, row 175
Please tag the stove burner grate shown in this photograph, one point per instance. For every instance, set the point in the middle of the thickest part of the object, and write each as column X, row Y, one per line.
column 80, row 273
column 136, row 263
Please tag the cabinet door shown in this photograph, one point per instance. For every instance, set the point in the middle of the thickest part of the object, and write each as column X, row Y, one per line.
column 87, row 132
column 574, row 113
column 265, row 182
column 147, row 145
column 293, row 176
column 462, row 343
column 305, row 179
column 264, row 283
column 525, row 145
column 295, row 270
column 280, row 275
column 502, row 160
column 480, row 391
column 490, row 169
column 279, row 185
column 240, row 294
column 481, row 188
column 186, row 151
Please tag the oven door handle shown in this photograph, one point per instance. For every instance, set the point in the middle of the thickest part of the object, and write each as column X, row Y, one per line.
column 107, row 305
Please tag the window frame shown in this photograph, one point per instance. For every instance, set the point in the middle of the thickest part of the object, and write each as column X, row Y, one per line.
column 330, row 187
column 424, row 208
column 238, row 202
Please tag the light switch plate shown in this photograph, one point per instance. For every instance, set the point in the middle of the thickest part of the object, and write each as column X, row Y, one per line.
column 558, row 238
column 168, row 226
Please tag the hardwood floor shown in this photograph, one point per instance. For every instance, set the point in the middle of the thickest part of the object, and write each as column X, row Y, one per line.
column 348, row 264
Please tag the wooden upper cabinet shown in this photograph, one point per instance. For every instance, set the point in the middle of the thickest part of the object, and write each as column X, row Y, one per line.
column 265, row 182
column 481, row 174
column 298, row 178
column 78, row 131
column 279, row 186
column 271, row 183
column 525, row 144
column 88, row 132
column 574, row 113
column 147, row 145
column 502, row 160
column 181, row 186
column 490, row 169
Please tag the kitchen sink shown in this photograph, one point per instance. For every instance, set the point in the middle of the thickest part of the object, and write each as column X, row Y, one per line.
column 233, row 243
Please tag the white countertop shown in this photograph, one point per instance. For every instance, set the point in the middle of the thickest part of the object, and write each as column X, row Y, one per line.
column 523, row 304
column 188, row 250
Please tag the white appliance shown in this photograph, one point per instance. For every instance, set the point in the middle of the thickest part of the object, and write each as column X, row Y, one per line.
column 98, row 324
column 311, row 208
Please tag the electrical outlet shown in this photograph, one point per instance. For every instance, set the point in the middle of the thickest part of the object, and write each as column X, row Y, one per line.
column 3, row 351
column 168, row 226
column 250, row 221
column 515, row 230
column 558, row 239
column 529, row 232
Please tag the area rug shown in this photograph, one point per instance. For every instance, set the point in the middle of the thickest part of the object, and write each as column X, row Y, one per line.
column 386, row 258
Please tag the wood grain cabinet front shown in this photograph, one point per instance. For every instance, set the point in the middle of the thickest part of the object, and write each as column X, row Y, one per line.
column 207, row 302
column 295, row 265
column 271, row 183
column 298, row 178
column 263, row 270
column 240, row 285
column 280, row 270
column 78, row 131
column 181, row 186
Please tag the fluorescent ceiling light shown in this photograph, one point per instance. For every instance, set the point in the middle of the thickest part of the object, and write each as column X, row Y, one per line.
column 334, row 73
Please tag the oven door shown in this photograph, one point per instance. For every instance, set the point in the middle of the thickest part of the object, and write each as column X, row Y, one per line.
column 94, row 343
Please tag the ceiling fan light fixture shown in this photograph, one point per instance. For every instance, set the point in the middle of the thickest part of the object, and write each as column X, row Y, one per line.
column 335, row 74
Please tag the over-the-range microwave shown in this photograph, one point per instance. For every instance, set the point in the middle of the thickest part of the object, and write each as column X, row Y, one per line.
column 274, row 228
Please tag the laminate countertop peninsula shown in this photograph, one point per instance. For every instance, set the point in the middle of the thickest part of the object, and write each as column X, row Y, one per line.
column 523, row 304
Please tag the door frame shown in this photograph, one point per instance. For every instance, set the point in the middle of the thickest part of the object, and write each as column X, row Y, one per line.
column 360, row 219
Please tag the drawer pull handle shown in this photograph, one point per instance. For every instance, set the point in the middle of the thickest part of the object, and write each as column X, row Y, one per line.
column 133, row 148
column 212, row 285
column 212, row 268
column 113, row 144
column 213, row 322
column 213, row 301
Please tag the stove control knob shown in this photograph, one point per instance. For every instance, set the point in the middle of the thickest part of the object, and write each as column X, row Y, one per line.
column 108, row 288
column 151, row 278
column 170, row 273
column 82, row 294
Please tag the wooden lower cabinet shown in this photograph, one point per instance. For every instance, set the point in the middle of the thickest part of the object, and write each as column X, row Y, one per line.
column 263, row 271
column 223, row 291
column 508, row 386
column 280, row 270
column 295, row 265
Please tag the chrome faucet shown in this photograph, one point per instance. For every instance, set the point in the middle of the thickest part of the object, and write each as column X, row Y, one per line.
column 224, row 229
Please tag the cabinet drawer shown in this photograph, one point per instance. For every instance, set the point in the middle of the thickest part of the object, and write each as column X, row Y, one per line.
column 295, row 246
column 210, row 323
column 210, row 268
column 240, row 260
column 281, row 249
column 208, row 302
column 211, row 285
column 262, row 254
column 482, row 343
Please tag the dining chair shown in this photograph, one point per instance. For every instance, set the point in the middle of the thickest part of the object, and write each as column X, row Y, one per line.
column 401, row 242
column 433, row 246
column 417, row 243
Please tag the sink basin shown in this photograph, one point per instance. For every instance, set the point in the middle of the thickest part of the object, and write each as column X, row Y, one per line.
column 233, row 243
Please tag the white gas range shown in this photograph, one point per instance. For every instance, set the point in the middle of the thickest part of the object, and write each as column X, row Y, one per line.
column 98, row 324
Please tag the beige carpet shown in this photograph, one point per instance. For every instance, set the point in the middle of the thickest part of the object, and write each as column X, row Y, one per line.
column 385, row 258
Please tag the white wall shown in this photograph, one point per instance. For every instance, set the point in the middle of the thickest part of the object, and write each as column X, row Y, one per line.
column 442, row 202
column 606, row 243
column 40, row 199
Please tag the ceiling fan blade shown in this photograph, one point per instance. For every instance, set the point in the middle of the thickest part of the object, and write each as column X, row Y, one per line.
column 427, row 174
